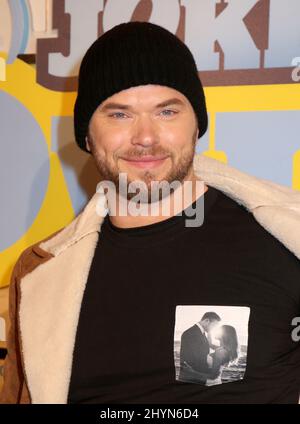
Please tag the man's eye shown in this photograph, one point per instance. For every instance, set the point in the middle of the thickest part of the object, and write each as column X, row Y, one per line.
column 117, row 113
column 169, row 110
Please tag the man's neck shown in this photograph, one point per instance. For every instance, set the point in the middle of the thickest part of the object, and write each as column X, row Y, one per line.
column 202, row 328
column 171, row 205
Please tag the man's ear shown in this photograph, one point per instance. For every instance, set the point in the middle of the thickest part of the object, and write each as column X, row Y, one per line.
column 87, row 145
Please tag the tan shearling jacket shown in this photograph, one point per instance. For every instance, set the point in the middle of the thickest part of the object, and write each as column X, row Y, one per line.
column 49, row 279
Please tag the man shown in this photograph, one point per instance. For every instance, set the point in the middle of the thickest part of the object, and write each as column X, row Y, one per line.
column 194, row 349
column 92, row 306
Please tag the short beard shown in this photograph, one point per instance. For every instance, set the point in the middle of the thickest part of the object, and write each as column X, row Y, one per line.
column 177, row 173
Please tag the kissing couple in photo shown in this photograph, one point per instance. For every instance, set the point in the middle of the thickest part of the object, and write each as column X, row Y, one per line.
column 202, row 357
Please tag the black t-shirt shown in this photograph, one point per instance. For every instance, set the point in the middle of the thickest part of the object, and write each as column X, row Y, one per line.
column 140, row 328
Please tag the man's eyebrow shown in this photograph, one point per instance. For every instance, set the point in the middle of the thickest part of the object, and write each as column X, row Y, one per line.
column 112, row 105
column 174, row 101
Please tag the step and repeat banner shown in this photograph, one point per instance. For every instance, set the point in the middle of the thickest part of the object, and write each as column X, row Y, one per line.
column 248, row 57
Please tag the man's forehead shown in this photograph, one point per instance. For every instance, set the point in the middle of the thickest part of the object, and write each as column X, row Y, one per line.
column 152, row 95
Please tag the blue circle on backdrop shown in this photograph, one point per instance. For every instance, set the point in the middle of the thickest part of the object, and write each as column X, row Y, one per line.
column 24, row 169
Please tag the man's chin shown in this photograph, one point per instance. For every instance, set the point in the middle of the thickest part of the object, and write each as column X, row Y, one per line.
column 145, row 178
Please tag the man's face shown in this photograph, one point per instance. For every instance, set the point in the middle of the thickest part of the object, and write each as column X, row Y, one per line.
column 212, row 325
column 136, row 128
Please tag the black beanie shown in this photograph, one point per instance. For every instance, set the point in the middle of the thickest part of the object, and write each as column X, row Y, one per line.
column 131, row 54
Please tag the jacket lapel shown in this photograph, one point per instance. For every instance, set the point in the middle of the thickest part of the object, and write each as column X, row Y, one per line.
column 51, row 297
column 51, row 294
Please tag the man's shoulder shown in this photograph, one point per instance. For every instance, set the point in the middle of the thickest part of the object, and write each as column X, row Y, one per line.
column 32, row 256
column 191, row 330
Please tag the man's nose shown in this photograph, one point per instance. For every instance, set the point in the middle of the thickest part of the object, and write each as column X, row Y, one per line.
column 145, row 132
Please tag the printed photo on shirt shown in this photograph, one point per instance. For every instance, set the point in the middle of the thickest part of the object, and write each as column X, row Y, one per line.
column 210, row 343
